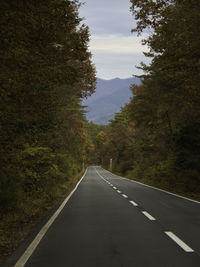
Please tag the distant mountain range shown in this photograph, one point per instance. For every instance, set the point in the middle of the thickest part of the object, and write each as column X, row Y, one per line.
column 109, row 97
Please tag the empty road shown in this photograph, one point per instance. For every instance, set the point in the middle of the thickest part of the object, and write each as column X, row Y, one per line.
column 110, row 221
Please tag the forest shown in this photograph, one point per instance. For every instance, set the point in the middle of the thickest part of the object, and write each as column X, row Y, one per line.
column 156, row 137
column 46, row 141
column 46, row 70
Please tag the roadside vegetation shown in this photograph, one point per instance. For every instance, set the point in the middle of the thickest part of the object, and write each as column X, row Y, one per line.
column 45, row 140
column 156, row 137
column 46, row 70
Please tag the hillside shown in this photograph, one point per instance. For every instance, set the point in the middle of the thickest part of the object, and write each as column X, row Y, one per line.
column 109, row 97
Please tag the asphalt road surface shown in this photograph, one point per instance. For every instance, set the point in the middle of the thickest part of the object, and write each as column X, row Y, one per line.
column 114, row 222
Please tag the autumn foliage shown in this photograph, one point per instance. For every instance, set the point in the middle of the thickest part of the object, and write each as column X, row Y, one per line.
column 46, row 69
column 156, row 137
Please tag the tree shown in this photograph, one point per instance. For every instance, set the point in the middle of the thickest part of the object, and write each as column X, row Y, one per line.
column 156, row 136
column 46, row 70
column 167, row 104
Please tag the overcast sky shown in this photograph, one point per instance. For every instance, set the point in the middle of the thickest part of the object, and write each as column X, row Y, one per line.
column 116, row 51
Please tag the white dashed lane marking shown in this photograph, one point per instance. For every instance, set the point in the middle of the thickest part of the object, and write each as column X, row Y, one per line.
column 179, row 242
column 148, row 216
column 176, row 239
column 133, row 203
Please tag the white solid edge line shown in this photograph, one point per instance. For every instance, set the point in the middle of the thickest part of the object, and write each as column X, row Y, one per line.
column 179, row 242
column 148, row 216
column 133, row 203
column 99, row 174
column 156, row 188
column 125, row 196
column 29, row 251
column 102, row 177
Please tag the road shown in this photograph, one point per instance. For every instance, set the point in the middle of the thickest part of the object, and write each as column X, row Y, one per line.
column 114, row 222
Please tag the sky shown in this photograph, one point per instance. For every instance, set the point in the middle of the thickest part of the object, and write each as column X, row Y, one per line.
column 116, row 51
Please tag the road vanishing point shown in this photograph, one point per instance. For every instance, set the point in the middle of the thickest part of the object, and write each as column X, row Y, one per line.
column 110, row 221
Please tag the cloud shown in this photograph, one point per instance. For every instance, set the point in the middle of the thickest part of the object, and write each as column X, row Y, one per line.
column 108, row 17
column 115, row 50
column 117, row 56
column 112, row 65
column 116, row 44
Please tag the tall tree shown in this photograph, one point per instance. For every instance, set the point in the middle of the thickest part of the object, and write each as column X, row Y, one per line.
column 162, row 117
column 45, row 70
column 170, row 93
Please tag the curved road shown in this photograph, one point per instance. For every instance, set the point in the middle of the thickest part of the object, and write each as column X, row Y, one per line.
column 110, row 221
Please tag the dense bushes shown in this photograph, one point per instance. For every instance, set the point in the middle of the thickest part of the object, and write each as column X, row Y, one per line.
column 156, row 137
column 45, row 71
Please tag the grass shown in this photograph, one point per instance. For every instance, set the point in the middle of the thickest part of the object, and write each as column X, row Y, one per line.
column 16, row 225
column 177, row 189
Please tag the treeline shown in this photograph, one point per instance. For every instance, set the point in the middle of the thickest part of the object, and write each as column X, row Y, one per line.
column 46, row 69
column 156, row 137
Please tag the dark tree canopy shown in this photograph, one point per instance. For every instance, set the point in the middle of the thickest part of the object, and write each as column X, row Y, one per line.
column 156, row 137
column 45, row 71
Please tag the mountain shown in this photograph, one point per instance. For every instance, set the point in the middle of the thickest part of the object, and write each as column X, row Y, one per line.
column 109, row 97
